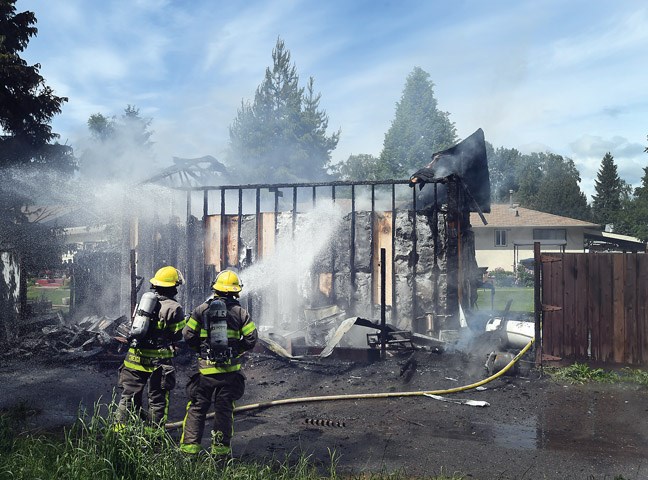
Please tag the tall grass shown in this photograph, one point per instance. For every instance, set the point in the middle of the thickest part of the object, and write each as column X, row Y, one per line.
column 92, row 450
column 580, row 373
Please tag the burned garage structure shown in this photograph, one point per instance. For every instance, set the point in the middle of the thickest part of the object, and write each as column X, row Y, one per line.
column 310, row 253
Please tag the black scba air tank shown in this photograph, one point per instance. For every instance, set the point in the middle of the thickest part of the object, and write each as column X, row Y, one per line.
column 216, row 325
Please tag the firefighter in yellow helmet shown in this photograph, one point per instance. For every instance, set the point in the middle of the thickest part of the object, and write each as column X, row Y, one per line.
column 221, row 331
column 156, row 327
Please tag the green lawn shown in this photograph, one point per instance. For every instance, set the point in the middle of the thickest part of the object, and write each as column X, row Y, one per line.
column 522, row 299
column 48, row 294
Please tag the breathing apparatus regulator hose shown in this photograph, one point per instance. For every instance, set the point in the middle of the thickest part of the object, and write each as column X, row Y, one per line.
column 360, row 396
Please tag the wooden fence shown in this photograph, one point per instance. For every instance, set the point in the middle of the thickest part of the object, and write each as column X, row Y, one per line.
column 595, row 307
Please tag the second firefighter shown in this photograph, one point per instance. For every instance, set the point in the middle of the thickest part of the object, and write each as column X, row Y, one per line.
column 221, row 331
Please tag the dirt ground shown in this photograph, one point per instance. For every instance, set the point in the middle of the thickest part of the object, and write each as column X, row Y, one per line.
column 533, row 428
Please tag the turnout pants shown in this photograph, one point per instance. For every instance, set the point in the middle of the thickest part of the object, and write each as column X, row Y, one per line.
column 133, row 382
column 223, row 389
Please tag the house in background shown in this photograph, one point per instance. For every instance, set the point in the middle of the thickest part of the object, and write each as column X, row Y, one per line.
column 511, row 232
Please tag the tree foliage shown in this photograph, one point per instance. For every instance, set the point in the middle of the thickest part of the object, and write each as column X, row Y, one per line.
column 27, row 104
column 419, row 128
column 541, row 181
column 558, row 189
column 29, row 160
column 119, row 148
column 282, row 135
column 633, row 218
column 361, row 167
column 606, row 202
column 503, row 165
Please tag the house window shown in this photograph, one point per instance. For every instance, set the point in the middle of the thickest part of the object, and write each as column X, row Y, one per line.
column 500, row 238
column 549, row 234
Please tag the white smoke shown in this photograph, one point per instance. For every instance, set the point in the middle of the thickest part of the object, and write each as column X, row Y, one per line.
column 284, row 278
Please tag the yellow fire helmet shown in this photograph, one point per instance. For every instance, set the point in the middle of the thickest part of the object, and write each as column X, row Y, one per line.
column 227, row 281
column 167, row 277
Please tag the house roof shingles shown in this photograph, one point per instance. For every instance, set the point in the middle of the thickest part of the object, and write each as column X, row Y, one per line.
column 503, row 215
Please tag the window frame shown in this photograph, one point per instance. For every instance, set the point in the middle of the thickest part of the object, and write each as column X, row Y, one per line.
column 499, row 233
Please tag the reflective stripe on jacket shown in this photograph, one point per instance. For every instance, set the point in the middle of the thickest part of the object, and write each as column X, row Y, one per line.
column 241, row 336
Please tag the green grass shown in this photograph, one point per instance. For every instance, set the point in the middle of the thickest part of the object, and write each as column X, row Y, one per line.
column 54, row 295
column 92, row 450
column 522, row 299
column 580, row 373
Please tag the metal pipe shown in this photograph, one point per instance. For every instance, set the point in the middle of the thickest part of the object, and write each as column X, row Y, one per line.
column 294, row 211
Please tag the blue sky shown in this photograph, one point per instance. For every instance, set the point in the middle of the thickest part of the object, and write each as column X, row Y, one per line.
column 568, row 77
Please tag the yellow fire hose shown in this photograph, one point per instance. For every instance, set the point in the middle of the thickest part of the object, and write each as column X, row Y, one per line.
column 358, row 396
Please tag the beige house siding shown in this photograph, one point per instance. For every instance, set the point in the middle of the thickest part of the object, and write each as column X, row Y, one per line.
column 519, row 224
column 519, row 245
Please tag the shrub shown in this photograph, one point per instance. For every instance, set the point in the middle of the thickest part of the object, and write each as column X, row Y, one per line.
column 503, row 278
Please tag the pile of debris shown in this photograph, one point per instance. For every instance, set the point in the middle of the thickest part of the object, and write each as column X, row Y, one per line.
column 55, row 338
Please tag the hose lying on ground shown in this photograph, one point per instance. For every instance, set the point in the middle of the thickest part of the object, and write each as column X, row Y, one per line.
column 358, row 396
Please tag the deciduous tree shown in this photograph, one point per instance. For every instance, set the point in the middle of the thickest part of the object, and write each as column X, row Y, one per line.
column 27, row 104
column 119, row 148
column 551, row 185
column 362, row 167
column 503, row 166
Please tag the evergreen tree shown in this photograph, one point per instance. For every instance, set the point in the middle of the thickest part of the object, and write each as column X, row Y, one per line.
column 281, row 136
column 606, row 202
column 419, row 128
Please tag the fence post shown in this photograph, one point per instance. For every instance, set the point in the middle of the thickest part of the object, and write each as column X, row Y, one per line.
column 537, row 305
